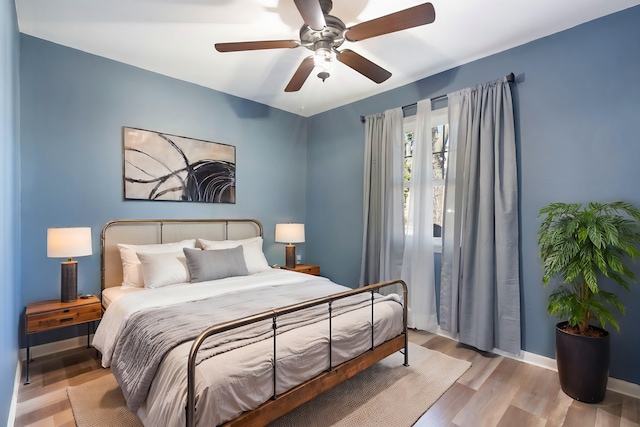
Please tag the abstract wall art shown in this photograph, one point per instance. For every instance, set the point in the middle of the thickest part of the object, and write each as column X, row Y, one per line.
column 160, row 166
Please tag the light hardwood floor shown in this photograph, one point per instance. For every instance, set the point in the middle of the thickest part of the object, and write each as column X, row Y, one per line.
column 495, row 391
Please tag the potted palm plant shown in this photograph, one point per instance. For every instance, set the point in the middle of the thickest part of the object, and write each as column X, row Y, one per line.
column 585, row 247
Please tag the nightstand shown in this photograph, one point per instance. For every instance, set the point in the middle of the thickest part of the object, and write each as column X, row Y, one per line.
column 53, row 314
column 305, row 268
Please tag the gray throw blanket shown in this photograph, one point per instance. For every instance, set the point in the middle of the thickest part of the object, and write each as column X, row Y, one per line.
column 150, row 334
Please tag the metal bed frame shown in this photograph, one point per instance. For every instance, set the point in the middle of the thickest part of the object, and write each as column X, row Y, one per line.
column 278, row 405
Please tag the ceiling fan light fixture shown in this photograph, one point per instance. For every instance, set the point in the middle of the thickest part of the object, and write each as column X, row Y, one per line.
column 321, row 56
column 322, row 59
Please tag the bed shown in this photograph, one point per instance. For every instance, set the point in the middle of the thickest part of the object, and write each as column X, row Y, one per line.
column 237, row 346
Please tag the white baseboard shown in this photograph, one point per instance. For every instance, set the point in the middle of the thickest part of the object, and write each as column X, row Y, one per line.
column 613, row 384
column 54, row 347
column 38, row 351
column 11, row 421
column 624, row 387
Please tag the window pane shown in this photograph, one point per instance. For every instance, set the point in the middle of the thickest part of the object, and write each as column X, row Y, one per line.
column 408, row 144
column 408, row 163
column 438, row 210
column 440, row 138
column 406, row 206
column 408, row 155
column 440, row 147
column 438, row 165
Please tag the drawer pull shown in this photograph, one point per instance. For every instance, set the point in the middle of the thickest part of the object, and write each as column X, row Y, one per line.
column 66, row 311
column 66, row 319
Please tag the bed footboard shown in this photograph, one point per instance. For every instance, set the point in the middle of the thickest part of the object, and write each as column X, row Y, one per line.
column 281, row 404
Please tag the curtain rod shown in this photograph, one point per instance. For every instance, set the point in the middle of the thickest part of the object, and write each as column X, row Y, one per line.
column 510, row 78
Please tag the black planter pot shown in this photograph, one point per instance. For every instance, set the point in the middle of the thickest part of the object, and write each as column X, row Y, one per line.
column 583, row 364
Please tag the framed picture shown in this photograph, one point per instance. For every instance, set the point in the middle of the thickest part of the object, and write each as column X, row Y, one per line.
column 159, row 166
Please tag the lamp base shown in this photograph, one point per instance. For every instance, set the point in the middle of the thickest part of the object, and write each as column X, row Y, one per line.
column 69, row 281
column 290, row 256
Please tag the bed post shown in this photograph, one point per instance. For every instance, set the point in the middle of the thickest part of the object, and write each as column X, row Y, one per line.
column 275, row 356
column 330, row 336
column 405, row 305
column 373, row 345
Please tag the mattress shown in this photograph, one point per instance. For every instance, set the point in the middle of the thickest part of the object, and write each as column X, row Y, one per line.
column 111, row 294
column 239, row 380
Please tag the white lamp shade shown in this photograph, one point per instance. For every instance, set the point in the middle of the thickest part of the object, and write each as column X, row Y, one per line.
column 68, row 242
column 290, row 233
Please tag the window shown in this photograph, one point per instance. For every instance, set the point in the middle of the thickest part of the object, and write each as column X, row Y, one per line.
column 440, row 147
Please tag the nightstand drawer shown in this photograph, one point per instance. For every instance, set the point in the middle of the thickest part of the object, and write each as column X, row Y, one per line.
column 63, row 317
column 304, row 268
column 309, row 269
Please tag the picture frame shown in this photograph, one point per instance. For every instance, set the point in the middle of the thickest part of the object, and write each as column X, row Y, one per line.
column 164, row 167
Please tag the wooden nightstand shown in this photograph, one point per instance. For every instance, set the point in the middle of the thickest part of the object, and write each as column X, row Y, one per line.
column 305, row 268
column 53, row 314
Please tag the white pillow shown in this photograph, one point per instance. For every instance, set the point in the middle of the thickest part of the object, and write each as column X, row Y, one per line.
column 131, row 267
column 252, row 247
column 160, row 270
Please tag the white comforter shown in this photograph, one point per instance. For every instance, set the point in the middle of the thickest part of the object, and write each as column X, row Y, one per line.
column 240, row 380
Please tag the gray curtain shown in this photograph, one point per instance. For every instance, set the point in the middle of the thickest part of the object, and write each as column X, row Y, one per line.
column 383, row 237
column 480, row 286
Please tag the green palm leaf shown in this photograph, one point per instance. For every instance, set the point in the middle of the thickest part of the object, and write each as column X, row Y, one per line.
column 583, row 246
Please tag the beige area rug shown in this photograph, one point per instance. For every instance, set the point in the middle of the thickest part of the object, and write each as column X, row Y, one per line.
column 386, row 394
column 100, row 403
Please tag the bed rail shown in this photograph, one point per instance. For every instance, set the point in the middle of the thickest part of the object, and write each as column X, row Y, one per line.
column 274, row 314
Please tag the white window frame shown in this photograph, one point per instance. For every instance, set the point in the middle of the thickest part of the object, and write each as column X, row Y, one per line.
column 438, row 117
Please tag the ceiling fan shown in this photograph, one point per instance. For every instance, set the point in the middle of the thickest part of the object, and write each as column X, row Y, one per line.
column 324, row 34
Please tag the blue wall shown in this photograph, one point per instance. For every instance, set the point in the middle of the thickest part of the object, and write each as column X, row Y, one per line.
column 74, row 106
column 577, row 111
column 9, row 203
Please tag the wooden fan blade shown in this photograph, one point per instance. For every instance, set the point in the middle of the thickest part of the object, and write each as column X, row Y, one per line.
column 241, row 46
column 408, row 18
column 363, row 66
column 300, row 75
column 311, row 13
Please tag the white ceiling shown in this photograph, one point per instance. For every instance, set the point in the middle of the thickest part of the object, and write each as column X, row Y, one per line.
column 176, row 38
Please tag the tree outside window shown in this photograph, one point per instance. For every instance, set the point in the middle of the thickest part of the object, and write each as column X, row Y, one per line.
column 440, row 148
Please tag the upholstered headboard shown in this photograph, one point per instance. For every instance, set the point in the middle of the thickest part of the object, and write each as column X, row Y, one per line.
column 152, row 231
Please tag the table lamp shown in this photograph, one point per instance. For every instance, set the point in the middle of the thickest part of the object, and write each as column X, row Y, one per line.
column 290, row 233
column 68, row 243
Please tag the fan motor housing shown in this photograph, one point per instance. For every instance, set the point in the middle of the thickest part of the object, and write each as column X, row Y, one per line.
column 333, row 33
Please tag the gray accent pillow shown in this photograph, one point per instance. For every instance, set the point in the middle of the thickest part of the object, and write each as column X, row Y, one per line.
column 215, row 264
